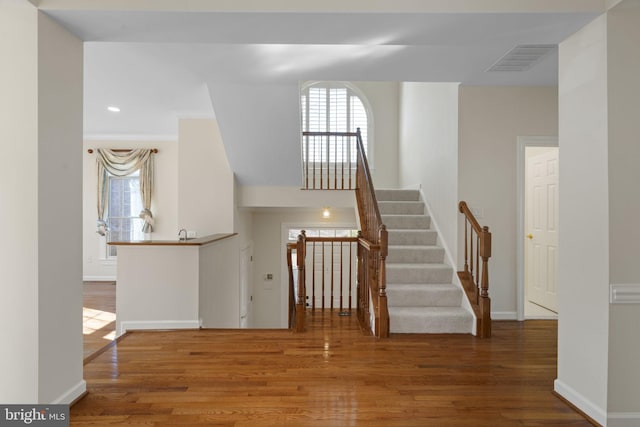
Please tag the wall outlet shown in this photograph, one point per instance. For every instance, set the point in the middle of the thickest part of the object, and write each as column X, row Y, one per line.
column 268, row 276
column 191, row 234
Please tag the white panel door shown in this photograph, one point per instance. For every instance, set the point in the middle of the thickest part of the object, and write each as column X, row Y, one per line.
column 542, row 229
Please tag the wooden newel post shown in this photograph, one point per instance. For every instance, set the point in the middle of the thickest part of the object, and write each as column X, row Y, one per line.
column 360, row 307
column 302, row 297
column 461, row 207
column 383, row 239
column 485, row 301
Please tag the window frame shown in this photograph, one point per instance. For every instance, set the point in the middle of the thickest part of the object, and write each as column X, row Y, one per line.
column 111, row 251
column 352, row 90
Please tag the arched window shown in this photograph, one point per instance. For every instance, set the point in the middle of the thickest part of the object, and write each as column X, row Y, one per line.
column 334, row 107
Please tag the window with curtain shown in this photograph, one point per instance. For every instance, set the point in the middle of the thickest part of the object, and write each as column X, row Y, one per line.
column 125, row 188
column 125, row 203
column 333, row 107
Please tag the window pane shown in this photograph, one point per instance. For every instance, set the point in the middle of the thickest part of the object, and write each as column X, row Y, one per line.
column 329, row 108
column 125, row 204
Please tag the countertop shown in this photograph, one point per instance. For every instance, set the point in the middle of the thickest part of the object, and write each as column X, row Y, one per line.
column 199, row 241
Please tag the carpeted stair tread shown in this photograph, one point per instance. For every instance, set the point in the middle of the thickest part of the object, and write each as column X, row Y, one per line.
column 407, row 221
column 401, row 207
column 419, row 273
column 397, row 195
column 415, row 254
column 413, row 237
column 430, row 319
column 422, row 297
column 434, row 295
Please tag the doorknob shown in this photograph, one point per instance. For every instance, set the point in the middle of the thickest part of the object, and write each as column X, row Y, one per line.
column 529, row 236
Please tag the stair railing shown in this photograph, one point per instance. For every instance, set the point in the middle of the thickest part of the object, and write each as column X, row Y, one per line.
column 475, row 276
column 372, row 251
column 329, row 160
column 331, row 273
column 338, row 161
column 324, row 276
column 297, row 288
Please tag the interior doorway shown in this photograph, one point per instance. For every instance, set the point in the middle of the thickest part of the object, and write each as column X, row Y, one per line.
column 246, row 294
column 538, row 189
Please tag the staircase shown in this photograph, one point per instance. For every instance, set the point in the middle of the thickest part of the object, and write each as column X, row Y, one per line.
column 421, row 295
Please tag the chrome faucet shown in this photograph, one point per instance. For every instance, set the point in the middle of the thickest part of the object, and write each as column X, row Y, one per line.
column 180, row 234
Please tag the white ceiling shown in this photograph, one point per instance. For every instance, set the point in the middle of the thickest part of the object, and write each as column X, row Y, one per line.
column 161, row 65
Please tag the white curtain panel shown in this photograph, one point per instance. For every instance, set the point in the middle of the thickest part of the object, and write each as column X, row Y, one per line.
column 123, row 164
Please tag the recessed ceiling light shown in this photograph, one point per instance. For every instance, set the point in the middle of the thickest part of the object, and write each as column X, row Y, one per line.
column 113, row 109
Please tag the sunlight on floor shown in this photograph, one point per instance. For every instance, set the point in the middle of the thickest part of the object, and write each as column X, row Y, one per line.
column 94, row 320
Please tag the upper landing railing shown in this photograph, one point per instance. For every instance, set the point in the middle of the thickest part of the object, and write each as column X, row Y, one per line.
column 337, row 161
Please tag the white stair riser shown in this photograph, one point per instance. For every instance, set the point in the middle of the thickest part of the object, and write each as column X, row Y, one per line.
column 411, row 237
column 418, row 275
column 415, row 222
column 394, row 195
column 415, row 255
column 401, row 208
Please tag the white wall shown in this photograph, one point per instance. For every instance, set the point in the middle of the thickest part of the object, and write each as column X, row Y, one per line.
column 20, row 210
column 60, row 207
column 583, row 270
column 623, row 38
column 383, row 98
column 294, row 197
column 164, row 203
column 219, row 284
column 158, row 287
column 40, row 130
column 205, row 180
column 270, row 297
column 429, row 151
column 491, row 120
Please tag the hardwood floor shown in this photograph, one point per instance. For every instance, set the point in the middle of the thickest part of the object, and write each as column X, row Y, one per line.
column 99, row 316
column 330, row 375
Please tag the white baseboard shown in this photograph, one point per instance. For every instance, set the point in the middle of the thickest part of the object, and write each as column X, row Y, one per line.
column 504, row 315
column 585, row 405
column 72, row 394
column 99, row 278
column 623, row 419
column 130, row 325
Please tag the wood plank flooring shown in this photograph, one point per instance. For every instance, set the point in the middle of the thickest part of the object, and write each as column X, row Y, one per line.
column 99, row 316
column 331, row 375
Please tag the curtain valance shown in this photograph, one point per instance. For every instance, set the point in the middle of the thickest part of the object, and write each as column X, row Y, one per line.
column 123, row 164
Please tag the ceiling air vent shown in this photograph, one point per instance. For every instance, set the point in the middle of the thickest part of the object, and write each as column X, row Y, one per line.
column 522, row 57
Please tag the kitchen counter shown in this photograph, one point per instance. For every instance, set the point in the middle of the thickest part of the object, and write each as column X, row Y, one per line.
column 173, row 284
column 199, row 241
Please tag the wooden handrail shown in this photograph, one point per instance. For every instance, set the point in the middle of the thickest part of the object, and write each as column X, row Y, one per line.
column 328, row 165
column 372, row 250
column 331, row 239
column 476, row 285
column 352, row 134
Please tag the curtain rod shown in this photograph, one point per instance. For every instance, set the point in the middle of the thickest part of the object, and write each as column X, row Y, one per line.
column 123, row 150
